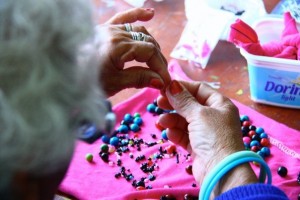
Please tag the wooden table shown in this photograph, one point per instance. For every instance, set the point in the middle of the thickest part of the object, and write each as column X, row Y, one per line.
column 226, row 63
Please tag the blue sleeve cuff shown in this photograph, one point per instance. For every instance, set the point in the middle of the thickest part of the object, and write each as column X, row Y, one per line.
column 256, row 191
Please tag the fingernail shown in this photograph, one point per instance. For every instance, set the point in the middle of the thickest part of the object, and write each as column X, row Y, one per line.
column 149, row 9
column 175, row 87
column 157, row 83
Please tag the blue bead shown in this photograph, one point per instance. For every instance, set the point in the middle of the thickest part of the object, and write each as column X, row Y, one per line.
column 266, row 151
column 105, row 139
column 124, row 142
column 134, row 127
column 159, row 111
column 123, row 128
column 128, row 118
column 164, row 135
column 263, row 135
column 261, row 154
column 138, row 121
column 254, row 143
column 246, row 145
column 259, row 130
column 151, row 108
column 114, row 141
column 244, row 118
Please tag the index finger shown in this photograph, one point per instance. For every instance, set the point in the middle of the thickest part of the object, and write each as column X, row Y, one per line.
column 132, row 15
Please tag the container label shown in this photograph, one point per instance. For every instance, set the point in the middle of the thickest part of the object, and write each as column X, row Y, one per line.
column 275, row 86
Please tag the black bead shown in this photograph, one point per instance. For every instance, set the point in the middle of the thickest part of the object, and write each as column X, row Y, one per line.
column 282, row 171
column 252, row 128
column 104, row 156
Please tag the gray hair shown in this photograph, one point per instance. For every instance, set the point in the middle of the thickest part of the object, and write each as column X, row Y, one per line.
column 45, row 87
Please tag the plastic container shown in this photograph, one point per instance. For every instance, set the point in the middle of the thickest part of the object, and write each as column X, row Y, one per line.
column 274, row 81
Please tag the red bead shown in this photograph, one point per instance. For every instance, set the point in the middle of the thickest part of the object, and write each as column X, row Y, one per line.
column 140, row 188
column 246, row 123
column 189, row 169
column 264, row 142
column 251, row 133
column 171, row 149
column 254, row 148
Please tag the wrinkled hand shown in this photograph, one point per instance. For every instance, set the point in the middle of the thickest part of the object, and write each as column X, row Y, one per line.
column 206, row 124
column 116, row 47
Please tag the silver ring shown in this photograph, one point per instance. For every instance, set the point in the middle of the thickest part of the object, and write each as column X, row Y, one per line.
column 128, row 27
column 139, row 36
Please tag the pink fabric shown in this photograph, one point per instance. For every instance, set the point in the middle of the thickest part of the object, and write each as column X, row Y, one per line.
column 92, row 181
column 287, row 47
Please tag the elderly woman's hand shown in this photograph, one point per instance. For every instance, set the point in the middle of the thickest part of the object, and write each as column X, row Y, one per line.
column 207, row 125
column 116, row 47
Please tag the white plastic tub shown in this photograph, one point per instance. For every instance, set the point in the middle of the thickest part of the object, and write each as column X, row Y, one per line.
column 273, row 81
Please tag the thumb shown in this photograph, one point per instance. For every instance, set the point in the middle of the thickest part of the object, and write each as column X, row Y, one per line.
column 182, row 100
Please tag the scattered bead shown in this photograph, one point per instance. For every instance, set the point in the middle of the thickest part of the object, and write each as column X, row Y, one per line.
column 282, row 171
column 189, row 169
column 89, row 157
column 114, row 141
column 298, row 178
column 123, row 128
column 164, row 135
column 105, row 139
column 138, row 121
column 104, row 148
column 104, row 156
column 134, row 127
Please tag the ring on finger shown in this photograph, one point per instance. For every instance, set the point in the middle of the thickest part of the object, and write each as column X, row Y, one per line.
column 139, row 36
column 128, row 27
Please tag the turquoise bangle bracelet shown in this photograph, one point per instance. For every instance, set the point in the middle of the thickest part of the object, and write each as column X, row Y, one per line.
column 229, row 163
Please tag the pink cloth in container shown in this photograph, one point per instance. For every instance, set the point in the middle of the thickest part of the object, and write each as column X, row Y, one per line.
column 93, row 181
column 287, row 47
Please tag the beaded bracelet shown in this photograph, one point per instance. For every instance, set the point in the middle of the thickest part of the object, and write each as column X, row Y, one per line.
column 229, row 163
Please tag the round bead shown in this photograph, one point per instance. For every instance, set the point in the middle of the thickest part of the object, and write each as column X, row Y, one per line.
column 252, row 127
column 134, row 127
column 247, row 140
column 171, row 149
column 264, row 142
column 104, row 148
column 265, row 151
column 128, row 118
column 111, row 149
column 114, row 141
column 140, row 188
column 282, row 171
column 159, row 111
column 138, row 121
column 254, row 143
column 105, row 139
column 255, row 148
column 151, row 108
column 244, row 118
column 261, row 154
column 246, row 123
column 259, row 130
column 263, row 135
column 123, row 128
column 164, row 135
column 256, row 137
column 104, row 156
column 136, row 115
column 89, row 157
column 251, row 133
column 189, row 197
column 189, row 169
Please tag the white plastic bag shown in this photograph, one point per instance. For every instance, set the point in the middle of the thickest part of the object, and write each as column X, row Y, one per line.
column 208, row 22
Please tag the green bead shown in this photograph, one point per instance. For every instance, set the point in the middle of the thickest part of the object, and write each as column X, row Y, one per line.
column 89, row 157
column 136, row 115
column 104, row 148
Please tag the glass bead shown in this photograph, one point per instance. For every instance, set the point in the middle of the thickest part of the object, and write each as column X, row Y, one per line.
column 89, row 157
column 164, row 135
column 151, row 108
column 282, row 171
column 134, row 127
column 114, row 141
column 259, row 130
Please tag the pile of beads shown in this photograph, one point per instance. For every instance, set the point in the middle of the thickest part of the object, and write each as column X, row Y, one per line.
column 123, row 142
column 255, row 138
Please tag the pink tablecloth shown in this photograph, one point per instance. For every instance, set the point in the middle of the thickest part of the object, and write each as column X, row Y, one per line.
column 92, row 181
